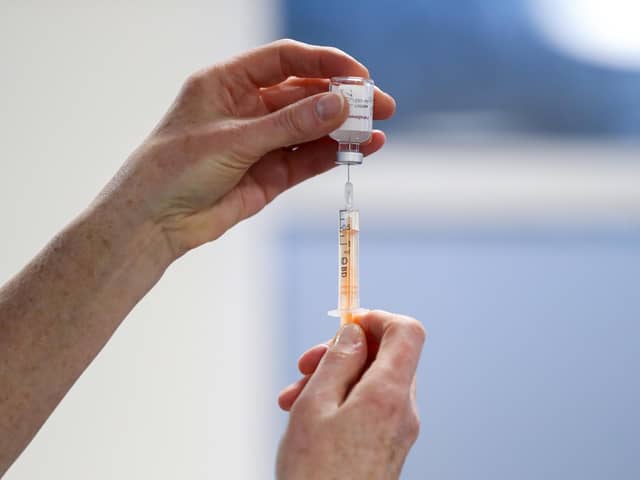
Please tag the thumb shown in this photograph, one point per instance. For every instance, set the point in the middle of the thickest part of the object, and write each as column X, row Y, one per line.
column 301, row 122
column 340, row 367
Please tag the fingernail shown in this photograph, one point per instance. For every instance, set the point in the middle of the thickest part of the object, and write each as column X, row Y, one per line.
column 350, row 335
column 329, row 106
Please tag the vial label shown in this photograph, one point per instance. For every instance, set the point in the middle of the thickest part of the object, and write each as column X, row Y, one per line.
column 360, row 98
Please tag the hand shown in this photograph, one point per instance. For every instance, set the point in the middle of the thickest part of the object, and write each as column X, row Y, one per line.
column 350, row 421
column 218, row 156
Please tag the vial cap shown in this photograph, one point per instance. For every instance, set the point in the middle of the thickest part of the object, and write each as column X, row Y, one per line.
column 349, row 158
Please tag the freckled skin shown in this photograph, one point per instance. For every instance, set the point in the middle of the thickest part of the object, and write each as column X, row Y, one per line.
column 216, row 158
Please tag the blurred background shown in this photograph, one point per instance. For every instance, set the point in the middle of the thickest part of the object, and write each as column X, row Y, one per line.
column 504, row 213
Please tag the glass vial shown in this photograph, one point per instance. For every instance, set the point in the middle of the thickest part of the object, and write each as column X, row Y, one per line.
column 358, row 126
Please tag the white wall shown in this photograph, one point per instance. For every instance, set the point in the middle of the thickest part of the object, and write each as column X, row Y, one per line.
column 173, row 395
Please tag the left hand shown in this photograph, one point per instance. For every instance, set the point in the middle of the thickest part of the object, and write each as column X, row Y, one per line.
column 219, row 154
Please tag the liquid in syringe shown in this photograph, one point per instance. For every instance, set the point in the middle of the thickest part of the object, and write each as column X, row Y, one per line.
column 348, row 257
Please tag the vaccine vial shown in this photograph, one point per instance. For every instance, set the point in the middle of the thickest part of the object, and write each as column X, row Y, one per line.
column 358, row 126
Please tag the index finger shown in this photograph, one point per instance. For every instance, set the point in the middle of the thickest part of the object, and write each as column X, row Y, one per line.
column 400, row 341
column 275, row 62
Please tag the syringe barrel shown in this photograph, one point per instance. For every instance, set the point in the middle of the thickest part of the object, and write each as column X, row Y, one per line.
column 348, row 275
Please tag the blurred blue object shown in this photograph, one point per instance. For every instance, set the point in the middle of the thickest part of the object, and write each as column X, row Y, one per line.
column 530, row 370
column 465, row 56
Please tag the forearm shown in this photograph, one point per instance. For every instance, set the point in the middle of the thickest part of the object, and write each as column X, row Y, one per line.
column 61, row 309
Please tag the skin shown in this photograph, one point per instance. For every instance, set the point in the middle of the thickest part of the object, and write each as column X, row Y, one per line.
column 238, row 134
column 353, row 416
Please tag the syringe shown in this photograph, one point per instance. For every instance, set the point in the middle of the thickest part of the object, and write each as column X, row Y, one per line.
column 348, row 276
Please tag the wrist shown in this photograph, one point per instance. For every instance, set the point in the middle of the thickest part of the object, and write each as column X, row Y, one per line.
column 120, row 241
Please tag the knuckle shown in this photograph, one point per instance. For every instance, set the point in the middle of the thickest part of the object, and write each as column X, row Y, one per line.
column 194, row 84
column 289, row 121
column 302, row 407
column 385, row 401
column 336, row 51
column 390, row 371
column 381, row 315
column 413, row 427
column 411, row 326
column 403, row 359
column 287, row 42
column 219, row 70
column 377, row 313
column 420, row 332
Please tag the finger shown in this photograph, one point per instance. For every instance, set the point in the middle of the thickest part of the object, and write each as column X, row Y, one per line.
column 290, row 394
column 292, row 90
column 277, row 61
column 281, row 170
column 295, row 89
column 401, row 339
column 304, row 121
column 307, row 364
column 310, row 359
column 339, row 369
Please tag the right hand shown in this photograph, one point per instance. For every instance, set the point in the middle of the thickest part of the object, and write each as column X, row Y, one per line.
column 350, row 420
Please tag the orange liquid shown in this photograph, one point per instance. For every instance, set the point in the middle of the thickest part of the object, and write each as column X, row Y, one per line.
column 349, row 298
column 346, row 317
